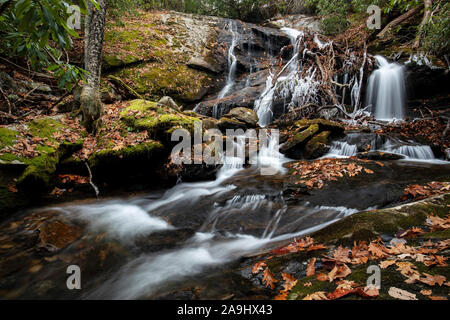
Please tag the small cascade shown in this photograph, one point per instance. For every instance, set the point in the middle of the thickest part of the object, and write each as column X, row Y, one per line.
column 386, row 90
column 341, row 149
column 411, row 152
column 232, row 62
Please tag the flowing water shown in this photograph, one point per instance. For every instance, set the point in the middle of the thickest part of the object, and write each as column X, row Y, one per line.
column 232, row 62
column 386, row 90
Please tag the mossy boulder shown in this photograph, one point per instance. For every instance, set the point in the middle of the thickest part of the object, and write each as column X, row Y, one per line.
column 293, row 148
column 128, row 165
column 155, row 80
column 318, row 145
column 324, row 125
column 40, row 169
column 25, row 178
column 159, row 121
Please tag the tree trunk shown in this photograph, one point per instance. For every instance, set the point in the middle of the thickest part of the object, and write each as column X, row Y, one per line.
column 426, row 15
column 91, row 105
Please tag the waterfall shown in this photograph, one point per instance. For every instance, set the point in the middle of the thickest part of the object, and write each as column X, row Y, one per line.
column 411, row 152
column 232, row 63
column 292, row 87
column 386, row 90
column 341, row 149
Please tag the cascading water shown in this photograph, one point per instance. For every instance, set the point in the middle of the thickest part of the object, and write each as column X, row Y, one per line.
column 386, row 90
column 410, row 151
column 292, row 87
column 232, row 62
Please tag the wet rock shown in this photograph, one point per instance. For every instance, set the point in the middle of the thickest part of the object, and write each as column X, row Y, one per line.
column 275, row 37
column 245, row 115
column 198, row 172
column 425, row 82
column 293, row 148
column 55, row 233
column 244, row 98
column 379, row 156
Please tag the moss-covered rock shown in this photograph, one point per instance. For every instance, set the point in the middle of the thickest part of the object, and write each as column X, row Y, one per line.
column 151, row 54
column 324, row 125
column 128, row 165
column 293, row 148
column 159, row 121
column 318, row 145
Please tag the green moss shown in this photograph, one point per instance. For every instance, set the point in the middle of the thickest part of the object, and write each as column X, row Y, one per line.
column 7, row 137
column 385, row 221
column 300, row 291
column 158, row 121
column 324, row 125
column 440, row 234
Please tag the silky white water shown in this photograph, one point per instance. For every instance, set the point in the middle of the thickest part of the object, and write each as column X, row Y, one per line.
column 386, row 91
column 232, row 63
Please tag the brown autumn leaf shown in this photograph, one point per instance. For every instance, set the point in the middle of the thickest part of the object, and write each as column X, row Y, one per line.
column 282, row 295
column 406, row 268
column 401, row 294
column 321, row 277
column 310, row 269
column 269, row 279
column 12, row 188
column 339, row 272
column 386, row 263
column 438, row 223
column 426, row 292
column 320, row 295
column 257, row 267
column 431, row 280
column 341, row 254
column 307, row 284
column 377, row 250
column 289, row 282
column 437, row 298
column 316, row 247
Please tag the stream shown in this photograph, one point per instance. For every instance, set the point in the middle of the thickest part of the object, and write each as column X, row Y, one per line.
column 154, row 245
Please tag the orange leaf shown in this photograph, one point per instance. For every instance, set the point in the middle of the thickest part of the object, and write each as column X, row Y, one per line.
column 257, row 267
column 310, row 269
column 268, row 279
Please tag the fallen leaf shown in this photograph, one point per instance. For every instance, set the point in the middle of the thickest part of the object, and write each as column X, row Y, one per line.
column 321, row 276
column 269, row 279
column 310, row 269
column 437, row 298
column 339, row 272
column 386, row 263
column 426, row 292
column 320, row 295
column 257, row 267
column 401, row 294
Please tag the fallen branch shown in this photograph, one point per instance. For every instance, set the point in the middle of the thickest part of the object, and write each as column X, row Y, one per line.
column 399, row 20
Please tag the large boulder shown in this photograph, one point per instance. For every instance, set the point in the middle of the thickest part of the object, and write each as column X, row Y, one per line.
column 245, row 115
